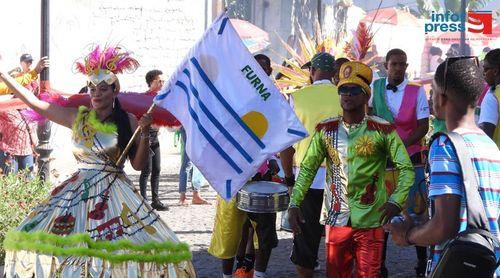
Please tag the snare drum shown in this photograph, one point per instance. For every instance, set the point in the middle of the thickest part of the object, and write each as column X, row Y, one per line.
column 263, row 197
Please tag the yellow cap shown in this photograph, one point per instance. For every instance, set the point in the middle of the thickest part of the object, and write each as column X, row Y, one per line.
column 356, row 73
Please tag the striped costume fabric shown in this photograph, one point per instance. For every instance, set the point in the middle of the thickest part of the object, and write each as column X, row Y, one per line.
column 446, row 178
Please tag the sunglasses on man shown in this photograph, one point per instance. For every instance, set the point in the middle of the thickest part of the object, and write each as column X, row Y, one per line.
column 351, row 91
column 452, row 60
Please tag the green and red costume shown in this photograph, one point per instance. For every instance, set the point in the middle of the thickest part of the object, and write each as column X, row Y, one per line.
column 356, row 157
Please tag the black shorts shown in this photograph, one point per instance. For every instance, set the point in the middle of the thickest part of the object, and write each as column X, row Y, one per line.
column 306, row 244
column 264, row 225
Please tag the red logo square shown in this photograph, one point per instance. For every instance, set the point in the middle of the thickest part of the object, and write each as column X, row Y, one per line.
column 480, row 22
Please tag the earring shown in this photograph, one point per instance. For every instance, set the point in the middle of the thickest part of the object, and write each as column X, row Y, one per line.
column 114, row 100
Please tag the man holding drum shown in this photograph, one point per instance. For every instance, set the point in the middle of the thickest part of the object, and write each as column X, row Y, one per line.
column 356, row 203
column 405, row 105
column 230, row 225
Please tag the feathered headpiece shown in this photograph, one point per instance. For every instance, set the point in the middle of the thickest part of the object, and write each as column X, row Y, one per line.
column 102, row 65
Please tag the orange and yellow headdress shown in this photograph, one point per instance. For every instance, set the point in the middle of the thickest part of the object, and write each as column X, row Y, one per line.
column 103, row 64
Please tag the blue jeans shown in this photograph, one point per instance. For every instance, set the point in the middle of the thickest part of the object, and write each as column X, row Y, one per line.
column 185, row 165
column 198, row 179
column 14, row 163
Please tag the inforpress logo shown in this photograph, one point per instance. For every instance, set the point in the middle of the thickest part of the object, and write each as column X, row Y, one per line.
column 480, row 22
column 477, row 22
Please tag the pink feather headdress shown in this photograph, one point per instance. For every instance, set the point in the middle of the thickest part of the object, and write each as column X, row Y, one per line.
column 102, row 64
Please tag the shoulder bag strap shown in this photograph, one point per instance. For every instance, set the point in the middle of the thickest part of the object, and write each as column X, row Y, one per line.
column 476, row 215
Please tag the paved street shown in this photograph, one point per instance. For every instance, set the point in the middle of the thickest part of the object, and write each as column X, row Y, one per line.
column 193, row 224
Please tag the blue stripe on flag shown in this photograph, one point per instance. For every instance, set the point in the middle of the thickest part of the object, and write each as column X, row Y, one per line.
column 296, row 132
column 215, row 121
column 228, row 189
column 223, row 25
column 205, row 133
column 162, row 96
column 225, row 104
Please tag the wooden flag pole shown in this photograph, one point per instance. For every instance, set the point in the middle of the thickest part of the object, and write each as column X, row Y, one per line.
column 123, row 156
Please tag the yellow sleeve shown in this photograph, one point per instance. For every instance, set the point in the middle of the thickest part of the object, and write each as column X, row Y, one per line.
column 24, row 80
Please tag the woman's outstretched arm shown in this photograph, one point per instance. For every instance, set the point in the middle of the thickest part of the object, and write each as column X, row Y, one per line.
column 61, row 115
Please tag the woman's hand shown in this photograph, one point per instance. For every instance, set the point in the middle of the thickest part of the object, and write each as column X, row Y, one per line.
column 145, row 122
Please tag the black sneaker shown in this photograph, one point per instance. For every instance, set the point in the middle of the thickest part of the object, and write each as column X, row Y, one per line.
column 157, row 205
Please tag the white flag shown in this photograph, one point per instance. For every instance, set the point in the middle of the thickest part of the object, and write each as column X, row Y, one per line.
column 233, row 114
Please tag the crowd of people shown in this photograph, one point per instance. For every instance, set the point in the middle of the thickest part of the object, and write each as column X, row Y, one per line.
column 18, row 137
column 350, row 181
column 362, row 132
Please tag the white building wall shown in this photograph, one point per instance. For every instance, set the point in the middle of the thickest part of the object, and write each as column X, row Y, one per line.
column 158, row 32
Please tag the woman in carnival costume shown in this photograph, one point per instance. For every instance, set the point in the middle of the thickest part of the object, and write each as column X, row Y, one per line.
column 95, row 224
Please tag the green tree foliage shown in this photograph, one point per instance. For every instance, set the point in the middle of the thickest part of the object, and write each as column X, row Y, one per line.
column 19, row 194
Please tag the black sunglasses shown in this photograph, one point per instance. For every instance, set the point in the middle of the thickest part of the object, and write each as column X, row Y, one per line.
column 352, row 91
column 452, row 60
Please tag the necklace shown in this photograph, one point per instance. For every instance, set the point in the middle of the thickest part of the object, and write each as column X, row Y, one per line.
column 355, row 125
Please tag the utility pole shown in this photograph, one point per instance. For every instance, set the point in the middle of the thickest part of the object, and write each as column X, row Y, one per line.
column 463, row 4
column 43, row 129
column 319, row 9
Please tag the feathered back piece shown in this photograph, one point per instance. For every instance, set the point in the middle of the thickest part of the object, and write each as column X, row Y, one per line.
column 361, row 42
column 293, row 75
column 101, row 64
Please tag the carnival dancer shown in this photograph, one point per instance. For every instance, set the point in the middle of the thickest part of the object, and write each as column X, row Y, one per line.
column 229, row 226
column 312, row 104
column 26, row 60
column 489, row 119
column 17, row 134
column 405, row 105
column 248, row 237
column 27, row 78
column 356, row 203
column 95, row 224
